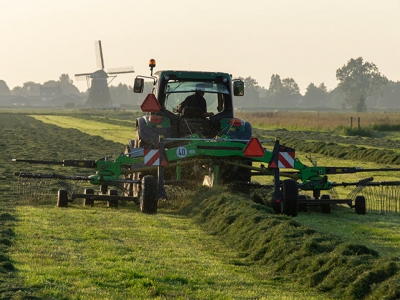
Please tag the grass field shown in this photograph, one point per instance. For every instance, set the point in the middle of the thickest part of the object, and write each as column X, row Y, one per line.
column 87, row 253
column 321, row 121
column 116, row 133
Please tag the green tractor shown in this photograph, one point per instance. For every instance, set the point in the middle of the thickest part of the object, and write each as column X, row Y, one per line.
column 165, row 117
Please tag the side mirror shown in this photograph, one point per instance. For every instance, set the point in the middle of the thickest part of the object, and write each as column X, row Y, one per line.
column 238, row 88
column 139, row 85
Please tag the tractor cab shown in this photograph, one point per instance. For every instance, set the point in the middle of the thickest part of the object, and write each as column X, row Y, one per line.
column 190, row 102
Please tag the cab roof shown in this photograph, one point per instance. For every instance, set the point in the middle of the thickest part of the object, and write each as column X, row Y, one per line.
column 192, row 74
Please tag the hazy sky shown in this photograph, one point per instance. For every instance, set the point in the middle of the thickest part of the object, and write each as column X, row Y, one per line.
column 307, row 40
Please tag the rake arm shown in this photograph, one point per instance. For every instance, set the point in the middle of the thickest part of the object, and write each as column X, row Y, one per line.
column 51, row 176
column 65, row 163
column 362, row 182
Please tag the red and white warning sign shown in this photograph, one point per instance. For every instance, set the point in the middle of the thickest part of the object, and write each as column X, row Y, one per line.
column 152, row 158
column 285, row 160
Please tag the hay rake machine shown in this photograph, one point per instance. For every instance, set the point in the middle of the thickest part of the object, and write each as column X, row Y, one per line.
column 179, row 144
column 211, row 162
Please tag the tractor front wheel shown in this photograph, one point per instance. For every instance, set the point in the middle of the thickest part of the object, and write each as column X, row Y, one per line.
column 148, row 197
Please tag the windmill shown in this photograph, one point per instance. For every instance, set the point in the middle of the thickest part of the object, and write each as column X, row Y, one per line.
column 99, row 93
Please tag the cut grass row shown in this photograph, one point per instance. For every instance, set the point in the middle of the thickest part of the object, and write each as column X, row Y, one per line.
column 317, row 260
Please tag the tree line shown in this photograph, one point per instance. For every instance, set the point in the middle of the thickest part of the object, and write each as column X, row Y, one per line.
column 361, row 86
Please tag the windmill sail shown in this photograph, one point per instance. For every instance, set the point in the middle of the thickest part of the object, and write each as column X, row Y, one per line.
column 99, row 54
column 99, row 93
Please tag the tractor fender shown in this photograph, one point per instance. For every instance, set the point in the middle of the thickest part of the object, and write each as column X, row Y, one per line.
column 149, row 133
column 245, row 133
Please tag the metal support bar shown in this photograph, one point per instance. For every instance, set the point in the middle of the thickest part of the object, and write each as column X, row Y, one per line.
column 103, row 197
column 325, row 201
column 277, row 186
column 161, row 190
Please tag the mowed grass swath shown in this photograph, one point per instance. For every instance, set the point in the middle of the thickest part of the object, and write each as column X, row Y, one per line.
column 280, row 255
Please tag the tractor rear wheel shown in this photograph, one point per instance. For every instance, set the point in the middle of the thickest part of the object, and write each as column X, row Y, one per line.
column 148, row 197
column 290, row 195
column 326, row 207
column 88, row 201
column 360, row 205
column 62, row 198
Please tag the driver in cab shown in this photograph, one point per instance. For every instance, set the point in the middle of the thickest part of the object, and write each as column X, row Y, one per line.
column 197, row 102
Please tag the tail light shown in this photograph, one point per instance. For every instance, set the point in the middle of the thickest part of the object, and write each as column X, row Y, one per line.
column 155, row 119
column 235, row 122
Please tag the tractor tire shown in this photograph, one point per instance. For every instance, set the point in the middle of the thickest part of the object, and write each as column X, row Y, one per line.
column 290, row 195
column 326, row 207
column 112, row 203
column 88, row 201
column 302, row 207
column 360, row 205
column 62, row 198
column 148, row 198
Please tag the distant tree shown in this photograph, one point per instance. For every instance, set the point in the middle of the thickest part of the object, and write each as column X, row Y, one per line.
column 121, row 94
column 323, row 87
column 4, row 90
column 315, row 95
column 359, row 80
column 275, row 85
column 335, row 98
column 290, row 87
column 64, row 78
column 251, row 91
column 283, row 92
column 390, row 97
column 17, row 90
column 67, row 85
column 29, row 88
column 51, row 83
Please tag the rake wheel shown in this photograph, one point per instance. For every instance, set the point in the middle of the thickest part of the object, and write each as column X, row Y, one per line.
column 359, row 205
column 290, row 195
column 326, row 207
column 88, row 201
column 148, row 197
column 62, row 198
